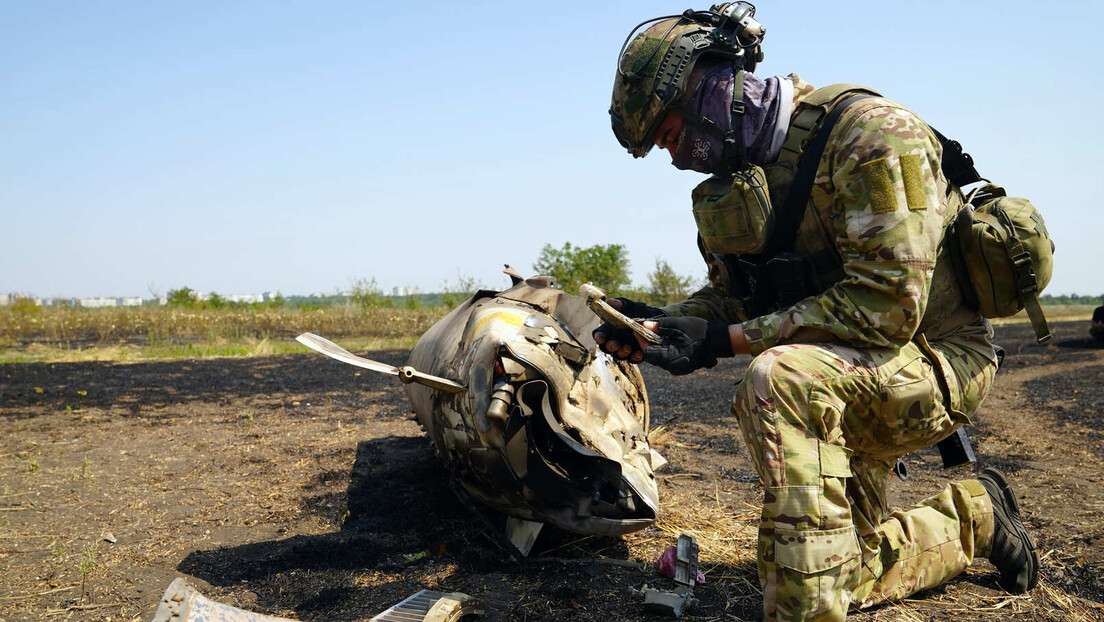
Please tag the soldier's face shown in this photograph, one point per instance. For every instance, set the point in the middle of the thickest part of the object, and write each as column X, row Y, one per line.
column 666, row 137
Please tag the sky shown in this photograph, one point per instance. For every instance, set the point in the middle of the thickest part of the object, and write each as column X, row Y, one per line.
column 301, row 146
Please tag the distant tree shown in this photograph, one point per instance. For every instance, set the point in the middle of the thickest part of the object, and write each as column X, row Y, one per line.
column 665, row 286
column 452, row 295
column 215, row 301
column 185, row 297
column 606, row 266
column 25, row 306
column 365, row 293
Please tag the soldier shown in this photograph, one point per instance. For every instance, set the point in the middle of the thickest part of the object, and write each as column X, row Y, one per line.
column 863, row 348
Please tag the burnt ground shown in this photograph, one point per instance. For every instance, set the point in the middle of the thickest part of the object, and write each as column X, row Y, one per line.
column 300, row 487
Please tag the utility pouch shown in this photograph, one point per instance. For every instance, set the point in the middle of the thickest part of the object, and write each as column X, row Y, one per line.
column 733, row 214
column 1005, row 256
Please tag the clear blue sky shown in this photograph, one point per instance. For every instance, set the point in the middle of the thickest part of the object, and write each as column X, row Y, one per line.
column 292, row 146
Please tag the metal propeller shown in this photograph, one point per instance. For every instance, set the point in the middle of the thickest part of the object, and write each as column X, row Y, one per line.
column 406, row 373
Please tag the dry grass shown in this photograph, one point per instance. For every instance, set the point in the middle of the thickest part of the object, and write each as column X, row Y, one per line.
column 1053, row 313
column 125, row 334
column 727, row 543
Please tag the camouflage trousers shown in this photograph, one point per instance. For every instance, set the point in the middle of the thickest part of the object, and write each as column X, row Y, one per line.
column 825, row 425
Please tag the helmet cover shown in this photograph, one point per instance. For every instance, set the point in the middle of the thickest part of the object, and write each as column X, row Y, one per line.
column 654, row 67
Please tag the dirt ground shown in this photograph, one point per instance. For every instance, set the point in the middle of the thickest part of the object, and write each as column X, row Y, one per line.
column 300, row 487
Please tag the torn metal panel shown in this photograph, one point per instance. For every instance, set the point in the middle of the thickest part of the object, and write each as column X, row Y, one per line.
column 522, row 534
column 183, row 603
column 686, row 561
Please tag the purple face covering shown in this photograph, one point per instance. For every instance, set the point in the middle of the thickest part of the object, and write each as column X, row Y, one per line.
column 699, row 150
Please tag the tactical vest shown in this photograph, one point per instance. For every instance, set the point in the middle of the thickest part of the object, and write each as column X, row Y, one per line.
column 766, row 281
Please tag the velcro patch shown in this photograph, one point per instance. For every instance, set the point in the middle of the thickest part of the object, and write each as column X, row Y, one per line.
column 913, row 173
column 974, row 487
column 883, row 200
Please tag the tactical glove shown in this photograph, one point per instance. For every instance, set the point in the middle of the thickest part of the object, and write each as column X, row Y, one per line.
column 689, row 344
column 639, row 310
column 621, row 336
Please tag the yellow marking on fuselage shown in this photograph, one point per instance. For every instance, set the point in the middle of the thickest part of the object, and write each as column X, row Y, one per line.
column 512, row 319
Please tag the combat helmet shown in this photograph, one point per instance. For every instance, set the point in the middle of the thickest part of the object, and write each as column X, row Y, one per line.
column 653, row 68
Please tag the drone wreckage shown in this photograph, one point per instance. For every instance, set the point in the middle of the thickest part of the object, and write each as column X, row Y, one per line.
column 531, row 418
column 535, row 423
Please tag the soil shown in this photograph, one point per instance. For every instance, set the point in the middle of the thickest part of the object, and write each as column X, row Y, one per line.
column 301, row 487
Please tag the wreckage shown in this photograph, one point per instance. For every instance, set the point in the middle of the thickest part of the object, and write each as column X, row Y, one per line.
column 532, row 419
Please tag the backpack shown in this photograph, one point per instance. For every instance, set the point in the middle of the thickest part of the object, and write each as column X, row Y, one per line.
column 1004, row 256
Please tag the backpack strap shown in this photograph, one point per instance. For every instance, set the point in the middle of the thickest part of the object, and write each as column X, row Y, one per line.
column 814, row 121
column 810, row 112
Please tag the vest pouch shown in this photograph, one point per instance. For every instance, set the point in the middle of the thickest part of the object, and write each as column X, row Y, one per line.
column 1007, row 256
column 733, row 214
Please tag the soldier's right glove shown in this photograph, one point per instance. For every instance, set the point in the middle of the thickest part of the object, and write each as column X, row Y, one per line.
column 639, row 310
column 689, row 344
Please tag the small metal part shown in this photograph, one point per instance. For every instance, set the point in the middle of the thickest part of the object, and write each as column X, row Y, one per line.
column 676, row 602
column 686, row 561
column 900, row 469
column 522, row 533
column 501, row 399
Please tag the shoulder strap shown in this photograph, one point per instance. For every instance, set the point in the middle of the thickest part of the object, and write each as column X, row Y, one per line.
column 812, row 109
column 797, row 196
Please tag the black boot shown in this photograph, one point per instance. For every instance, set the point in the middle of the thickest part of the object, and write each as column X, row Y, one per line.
column 1013, row 550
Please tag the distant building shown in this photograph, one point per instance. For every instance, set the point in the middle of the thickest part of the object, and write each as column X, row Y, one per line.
column 404, row 291
column 99, row 302
column 246, row 298
column 10, row 298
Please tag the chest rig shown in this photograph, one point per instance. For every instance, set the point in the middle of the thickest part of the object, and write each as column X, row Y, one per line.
column 754, row 226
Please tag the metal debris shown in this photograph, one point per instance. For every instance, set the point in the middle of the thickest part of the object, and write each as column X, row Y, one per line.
column 183, row 603
column 428, row 606
column 685, row 574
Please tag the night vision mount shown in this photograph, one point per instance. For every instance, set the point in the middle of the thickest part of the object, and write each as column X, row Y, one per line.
column 736, row 25
column 729, row 29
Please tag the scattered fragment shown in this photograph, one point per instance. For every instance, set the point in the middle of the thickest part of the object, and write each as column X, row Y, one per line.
column 109, row 537
column 677, row 603
column 679, row 562
column 428, row 606
column 183, row 603
column 413, row 557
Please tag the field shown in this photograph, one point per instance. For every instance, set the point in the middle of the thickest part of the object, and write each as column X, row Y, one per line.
column 293, row 485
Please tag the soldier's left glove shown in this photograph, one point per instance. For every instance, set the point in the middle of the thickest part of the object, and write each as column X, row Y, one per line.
column 689, row 344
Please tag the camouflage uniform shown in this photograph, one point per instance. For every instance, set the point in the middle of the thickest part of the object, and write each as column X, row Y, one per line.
column 884, row 362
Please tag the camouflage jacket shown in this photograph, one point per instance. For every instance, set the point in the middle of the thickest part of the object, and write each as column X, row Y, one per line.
column 880, row 200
